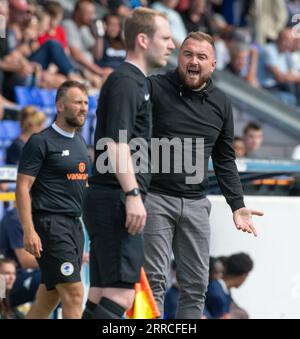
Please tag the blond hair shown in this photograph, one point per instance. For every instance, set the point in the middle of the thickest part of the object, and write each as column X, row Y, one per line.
column 29, row 117
column 142, row 20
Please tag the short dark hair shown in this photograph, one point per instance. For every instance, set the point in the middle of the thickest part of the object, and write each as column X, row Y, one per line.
column 65, row 86
column 142, row 20
column 238, row 264
column 252, row 125
column 5, row 260
column 200, row 36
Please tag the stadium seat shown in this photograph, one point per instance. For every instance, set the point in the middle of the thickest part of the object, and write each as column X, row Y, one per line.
column 85, row 130
column 93, row 101
column 23, row 95
column 47, row 98
column 11, row 129
column 40, row 97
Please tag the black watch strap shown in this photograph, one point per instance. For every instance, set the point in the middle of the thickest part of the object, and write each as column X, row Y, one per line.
column 135, row 192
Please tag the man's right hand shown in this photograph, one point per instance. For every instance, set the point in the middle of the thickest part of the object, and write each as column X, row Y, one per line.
column 136, row 215
column 32, row 243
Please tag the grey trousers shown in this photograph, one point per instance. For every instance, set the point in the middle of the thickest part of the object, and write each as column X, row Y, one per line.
column 182, row 225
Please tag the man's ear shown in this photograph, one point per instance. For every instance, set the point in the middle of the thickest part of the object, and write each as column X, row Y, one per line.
column 214, row 64
column 59, row 106
column 142, row 40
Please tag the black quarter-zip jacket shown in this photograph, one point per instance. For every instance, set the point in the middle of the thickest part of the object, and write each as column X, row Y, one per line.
column 184, row 113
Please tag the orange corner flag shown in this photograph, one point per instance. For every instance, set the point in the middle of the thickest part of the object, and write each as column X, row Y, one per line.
column 144, row 305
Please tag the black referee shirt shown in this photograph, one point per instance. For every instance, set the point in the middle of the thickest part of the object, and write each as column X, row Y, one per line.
column 60, row 165
column 124, row 104
column 180, row 112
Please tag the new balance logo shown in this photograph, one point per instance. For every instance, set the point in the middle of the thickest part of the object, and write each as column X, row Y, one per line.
column 65, row 153
column 147, row 97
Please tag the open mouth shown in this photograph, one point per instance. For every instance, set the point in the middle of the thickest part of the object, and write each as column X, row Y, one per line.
column 193, row 72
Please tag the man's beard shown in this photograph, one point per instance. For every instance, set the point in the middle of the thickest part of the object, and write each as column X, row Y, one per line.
column 191, row 84
column 73, row 122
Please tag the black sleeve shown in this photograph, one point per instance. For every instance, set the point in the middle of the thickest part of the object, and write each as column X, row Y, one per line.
column 224, row 163
column 33, row 156
column 121, row 108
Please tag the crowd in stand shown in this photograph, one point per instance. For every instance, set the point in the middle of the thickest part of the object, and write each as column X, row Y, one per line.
column 48, row 41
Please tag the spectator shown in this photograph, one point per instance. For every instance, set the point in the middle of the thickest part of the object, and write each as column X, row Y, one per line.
column 56, row 31
column 216, row 269
column 8, row 269
column 14, row 69
column 253, row 138
column 219, row 303
column 31, row 121
column 11, row 245
column 234, row 12
column 84, row 42
column 22, row 59
column 269, row 17
column 19, row 18
column 196, row 17
column 121, row 8
column 50, row 52
column 114, row 52
column 239, row 147
column 243, row 62
column 276, row 74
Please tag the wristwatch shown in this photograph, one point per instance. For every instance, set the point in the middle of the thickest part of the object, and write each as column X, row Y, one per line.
column 135, row 192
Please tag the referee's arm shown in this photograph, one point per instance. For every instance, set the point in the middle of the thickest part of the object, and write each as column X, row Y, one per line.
column 32, row 242
column 121, row 160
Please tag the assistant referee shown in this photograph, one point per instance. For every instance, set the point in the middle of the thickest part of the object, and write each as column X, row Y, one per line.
column 51, row 178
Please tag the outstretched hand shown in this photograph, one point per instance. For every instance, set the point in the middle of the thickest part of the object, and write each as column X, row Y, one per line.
column 243, row 220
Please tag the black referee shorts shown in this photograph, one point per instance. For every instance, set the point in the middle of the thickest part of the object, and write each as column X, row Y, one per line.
column 116, row 256
column 62, row 241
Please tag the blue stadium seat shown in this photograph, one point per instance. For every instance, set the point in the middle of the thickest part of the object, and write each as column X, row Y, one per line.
column 23, row 95
column 11, row 129
column 93, row 101
column 36, row 97
column 5, row 141
column 47, row 97
column 85, row 131
column 40, row 97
